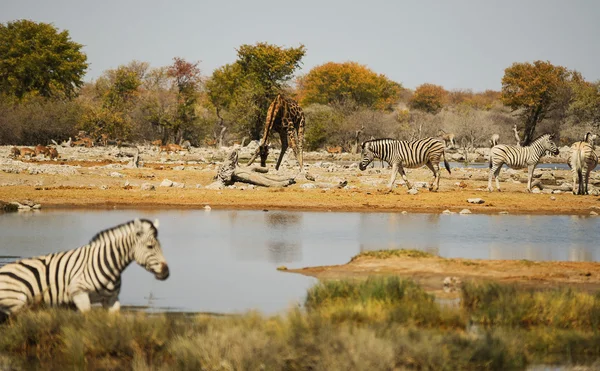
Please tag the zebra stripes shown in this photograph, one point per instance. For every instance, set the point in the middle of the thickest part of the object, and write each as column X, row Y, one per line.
column 582, row 161
column 83, row 276
column 519, row 157
column 409, row 154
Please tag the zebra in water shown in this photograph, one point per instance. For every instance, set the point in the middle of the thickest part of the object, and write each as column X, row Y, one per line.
column 83, row 276
column 582, row 161
column 410, row 154
column 519, row 157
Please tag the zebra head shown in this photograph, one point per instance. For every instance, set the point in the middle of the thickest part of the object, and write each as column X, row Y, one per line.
column 146, row 249
column 367, row 156
column 549, row 144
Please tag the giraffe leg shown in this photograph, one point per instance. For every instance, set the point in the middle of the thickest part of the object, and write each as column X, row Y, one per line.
column 284, row 147
column 292, row 137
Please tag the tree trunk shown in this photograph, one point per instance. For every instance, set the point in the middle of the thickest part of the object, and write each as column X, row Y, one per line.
column 532, row 120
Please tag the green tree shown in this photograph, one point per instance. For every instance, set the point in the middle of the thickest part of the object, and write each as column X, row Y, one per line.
column 186, row 80
column 337, row 83
column 243, row 90
column 37, row 59
column 533, row 88
column 428, row 98
column 585, row 105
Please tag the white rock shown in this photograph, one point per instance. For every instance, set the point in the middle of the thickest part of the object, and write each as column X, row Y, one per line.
column 148, row 187
column 178, row 185
column 166, row 183
column 308, row 186
column 448, row 212
column 412, row 191
column 404, row 212
column 115, row 174
column 104, row 186
column 536, row 190
column 207, row 208
column 465, row 212
column 179, row 168
column 503, row 212
column 552, row 198
column 198, row 186
column 36, row 206
column 593, row 213
column 475, row 200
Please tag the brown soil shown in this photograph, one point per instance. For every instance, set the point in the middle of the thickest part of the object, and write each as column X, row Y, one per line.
column 84, row 190
column 431, row 271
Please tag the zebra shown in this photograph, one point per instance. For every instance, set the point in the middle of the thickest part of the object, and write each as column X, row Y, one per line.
column 582, row 161
column 85, row 275
column 519, row 157
column 410, row 154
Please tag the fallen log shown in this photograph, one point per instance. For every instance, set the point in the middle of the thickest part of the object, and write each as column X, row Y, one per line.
column 230, row 172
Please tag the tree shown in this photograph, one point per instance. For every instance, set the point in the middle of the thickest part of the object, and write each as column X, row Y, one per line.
column 37, row 59
column 187, row 81
column 335, row 83
column 429, row 98
column 245, row 88
column 533, row 88
column 585, row 105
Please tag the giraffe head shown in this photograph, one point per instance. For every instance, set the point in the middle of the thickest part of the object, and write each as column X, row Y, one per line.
column 264, row 153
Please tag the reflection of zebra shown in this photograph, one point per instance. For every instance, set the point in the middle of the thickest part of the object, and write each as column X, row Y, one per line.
column 410, row 154
column 519, row 157
column 582, row 161
column 86, row 275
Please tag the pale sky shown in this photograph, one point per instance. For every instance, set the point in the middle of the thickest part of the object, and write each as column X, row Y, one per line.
column 463, row 44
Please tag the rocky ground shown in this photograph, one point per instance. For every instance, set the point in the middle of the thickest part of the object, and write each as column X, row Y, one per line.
column 108, row 177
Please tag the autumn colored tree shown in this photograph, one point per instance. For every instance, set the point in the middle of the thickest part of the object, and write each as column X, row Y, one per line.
column 38, row 59
column 533, row 88
column 333, row 83
column 247, row 87
column 585, row 103
column 428, row 98
column 186, row 76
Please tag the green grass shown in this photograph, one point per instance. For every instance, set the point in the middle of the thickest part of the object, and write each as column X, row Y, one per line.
column 381, row 323
column 385, row 254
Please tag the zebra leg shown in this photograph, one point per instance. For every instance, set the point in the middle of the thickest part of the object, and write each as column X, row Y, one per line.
column 587, row 179
column 494, row 172
column 530, row 169
column 574, row 180
column 82, row 301
column 435, row 183
column 393, row 177
column 112, row 304
column 401, row 170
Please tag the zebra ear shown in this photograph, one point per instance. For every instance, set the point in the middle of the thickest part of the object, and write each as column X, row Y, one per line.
column 156, row 223
column 137, row 223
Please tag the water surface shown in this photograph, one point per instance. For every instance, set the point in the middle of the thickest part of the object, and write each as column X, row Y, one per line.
column 225, row 261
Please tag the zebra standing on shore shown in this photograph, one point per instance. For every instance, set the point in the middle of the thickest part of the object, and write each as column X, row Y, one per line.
column 410, row 154
column 519, row 157
column 83, row 276
column 582, row 161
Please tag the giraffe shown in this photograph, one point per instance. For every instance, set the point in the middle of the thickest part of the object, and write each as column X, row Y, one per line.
column 286, row 117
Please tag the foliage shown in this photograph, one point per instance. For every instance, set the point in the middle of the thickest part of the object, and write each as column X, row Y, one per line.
column 186, row 76
column 243, row 91
column 38, row 59
column 533, row 88
column 385, row 254
column 429, row 98
column 334, row 83
column 585, row 105
column 38, row 120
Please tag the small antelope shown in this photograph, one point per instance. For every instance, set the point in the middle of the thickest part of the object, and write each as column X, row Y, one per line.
column 157, row 142
column 494, row 140
column 87, row 142
column 42, row 149
column 447, row 137
column 14, row 152
column 53, row 153
column 27, row 152
column 337, row 149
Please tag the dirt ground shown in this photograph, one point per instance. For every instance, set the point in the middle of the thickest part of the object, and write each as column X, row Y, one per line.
column 430, row 272
column 83, row 178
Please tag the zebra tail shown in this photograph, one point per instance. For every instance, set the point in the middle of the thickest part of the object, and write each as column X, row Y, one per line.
column 490, row 159
column 446, row 163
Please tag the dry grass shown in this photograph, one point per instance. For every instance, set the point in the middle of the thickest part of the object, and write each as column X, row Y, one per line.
column 375, row 324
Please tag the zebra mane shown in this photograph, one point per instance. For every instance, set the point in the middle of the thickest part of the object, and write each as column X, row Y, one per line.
column 104, row 232
column 375, row 140
column 548, row 135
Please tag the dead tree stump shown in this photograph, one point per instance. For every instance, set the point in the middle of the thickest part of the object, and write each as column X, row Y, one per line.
column 230, row 172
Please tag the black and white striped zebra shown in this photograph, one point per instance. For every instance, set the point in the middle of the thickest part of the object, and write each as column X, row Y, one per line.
column 582, row 161
column 519, row 157
column 409, row 154
column 83, row 276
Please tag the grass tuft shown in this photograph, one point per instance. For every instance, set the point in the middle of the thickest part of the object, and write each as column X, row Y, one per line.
column 385, row 254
